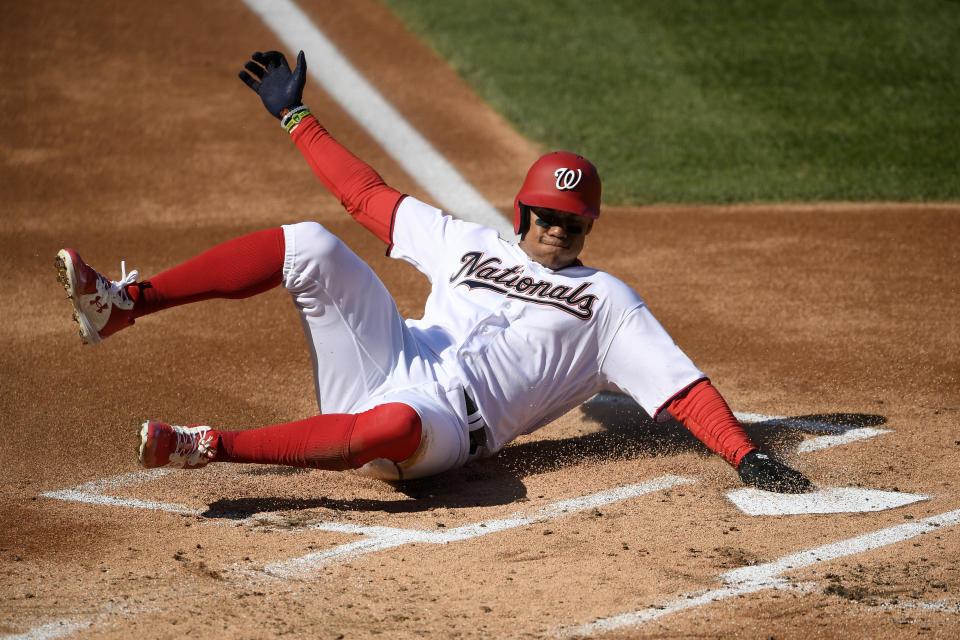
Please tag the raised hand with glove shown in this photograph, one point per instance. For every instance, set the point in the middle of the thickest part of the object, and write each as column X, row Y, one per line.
column 280, row 89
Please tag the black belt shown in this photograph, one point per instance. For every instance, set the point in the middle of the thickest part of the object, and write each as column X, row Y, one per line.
column 471, row 405
column 475, row 423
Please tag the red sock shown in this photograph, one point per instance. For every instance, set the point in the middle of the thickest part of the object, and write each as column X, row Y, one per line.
column 238, row 268
column 705, row 413
column 334, row 441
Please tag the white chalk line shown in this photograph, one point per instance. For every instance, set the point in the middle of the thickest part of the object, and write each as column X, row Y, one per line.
column 367, row 106
column 92, row 492
column 380, row 538
column 838, row 434
column 377, row 538
column 853, row 435
column 766, row 576
column 55, row 629
column 945, row 606
column 109, row 612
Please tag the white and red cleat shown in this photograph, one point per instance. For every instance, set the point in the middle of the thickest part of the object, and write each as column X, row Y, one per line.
column 101, row 306
column 164, row 445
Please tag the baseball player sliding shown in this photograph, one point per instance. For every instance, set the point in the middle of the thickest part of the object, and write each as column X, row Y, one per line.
column 512, row 335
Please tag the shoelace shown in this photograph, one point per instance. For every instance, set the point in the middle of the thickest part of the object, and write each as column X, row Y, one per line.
column 119, row 287
column 126, row 279
column 188, row 441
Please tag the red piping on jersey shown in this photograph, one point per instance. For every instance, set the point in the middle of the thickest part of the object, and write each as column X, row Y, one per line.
column 393, row 219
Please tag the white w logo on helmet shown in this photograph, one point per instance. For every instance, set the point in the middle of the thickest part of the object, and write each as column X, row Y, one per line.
column 567, row 178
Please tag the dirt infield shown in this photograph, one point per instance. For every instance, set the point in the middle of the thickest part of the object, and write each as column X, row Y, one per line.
column 127, row 135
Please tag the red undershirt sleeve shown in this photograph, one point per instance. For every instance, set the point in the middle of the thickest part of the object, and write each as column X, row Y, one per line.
column 705, row 413
column 359, row 188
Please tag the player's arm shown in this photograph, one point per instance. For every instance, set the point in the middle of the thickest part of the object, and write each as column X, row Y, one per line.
column 643, row 360
column 361, row 191
column 358, row 187
column 703, row 411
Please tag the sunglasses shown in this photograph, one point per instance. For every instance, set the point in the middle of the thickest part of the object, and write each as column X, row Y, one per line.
column 548, row 220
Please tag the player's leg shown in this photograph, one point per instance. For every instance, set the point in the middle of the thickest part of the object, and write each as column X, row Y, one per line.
column 360, row 347
column 411, row 434
column 238, row 268
column 357, row 339
column 363, row 353
column 334, row 441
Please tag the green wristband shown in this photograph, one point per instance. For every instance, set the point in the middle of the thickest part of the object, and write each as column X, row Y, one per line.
column 293, row 118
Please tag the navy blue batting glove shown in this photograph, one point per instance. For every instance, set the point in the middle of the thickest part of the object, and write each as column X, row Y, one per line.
column 765, row 473
column 269, row 75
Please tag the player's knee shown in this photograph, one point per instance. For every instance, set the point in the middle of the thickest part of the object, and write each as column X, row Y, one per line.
column 314, row 238
column 390, row 431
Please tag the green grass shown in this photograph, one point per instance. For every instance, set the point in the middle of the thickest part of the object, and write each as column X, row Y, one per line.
column 722, row 101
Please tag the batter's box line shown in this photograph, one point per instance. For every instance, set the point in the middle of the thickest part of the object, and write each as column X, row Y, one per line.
column 838, row 434
column 381, row 538
column 93, row 493
column 375, row 538
column 765, row 576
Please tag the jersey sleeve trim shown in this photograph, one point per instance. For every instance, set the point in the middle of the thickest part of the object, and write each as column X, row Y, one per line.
column 393, row 220
column 679, row 394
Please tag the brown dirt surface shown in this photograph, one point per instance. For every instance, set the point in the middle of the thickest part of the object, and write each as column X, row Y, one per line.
column 125, row 134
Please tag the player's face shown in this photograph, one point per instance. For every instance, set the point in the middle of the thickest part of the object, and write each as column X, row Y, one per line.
column 555, row 238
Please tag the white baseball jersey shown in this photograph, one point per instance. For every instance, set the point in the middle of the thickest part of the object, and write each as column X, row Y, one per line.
column 529, row 343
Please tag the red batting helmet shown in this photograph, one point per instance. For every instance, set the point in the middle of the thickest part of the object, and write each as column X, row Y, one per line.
column 558, row 180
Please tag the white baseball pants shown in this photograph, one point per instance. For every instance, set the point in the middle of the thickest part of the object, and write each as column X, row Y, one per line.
column 363, row 353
